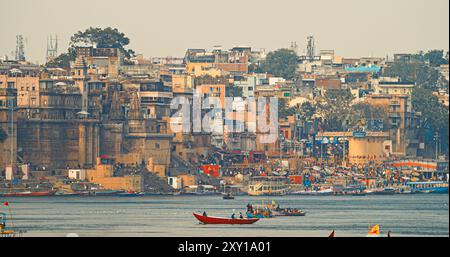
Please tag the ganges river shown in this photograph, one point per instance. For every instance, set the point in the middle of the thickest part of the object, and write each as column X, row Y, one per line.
column 164, row 216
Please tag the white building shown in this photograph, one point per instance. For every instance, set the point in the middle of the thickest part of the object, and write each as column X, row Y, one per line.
column 77, row 174
column 175, row 182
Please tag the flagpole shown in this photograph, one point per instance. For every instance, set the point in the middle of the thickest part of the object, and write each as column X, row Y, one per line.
column 10, row 213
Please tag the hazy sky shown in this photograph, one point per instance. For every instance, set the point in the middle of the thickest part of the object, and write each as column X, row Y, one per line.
column 168, row 27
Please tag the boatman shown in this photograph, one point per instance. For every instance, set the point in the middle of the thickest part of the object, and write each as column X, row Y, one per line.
column 204, row 214
column 2, row 221
column 249, row 208
column 233, row 216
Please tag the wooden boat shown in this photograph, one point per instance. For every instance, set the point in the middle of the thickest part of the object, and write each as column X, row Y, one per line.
column 28, row 194
column 228, row 197
column 359, row 194
column 67, row 194
column 225, row 221
column 260, row 212
column 384, row 191
column 428, row 187
column 289, row 213
column 101, row 193
column 131, row 194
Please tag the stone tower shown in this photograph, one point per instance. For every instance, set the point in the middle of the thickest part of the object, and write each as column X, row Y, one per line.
column 80, row 76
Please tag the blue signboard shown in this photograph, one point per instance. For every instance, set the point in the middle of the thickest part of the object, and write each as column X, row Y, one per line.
column 359, row 134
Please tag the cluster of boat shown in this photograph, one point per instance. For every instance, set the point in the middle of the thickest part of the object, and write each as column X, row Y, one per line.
column 411, row 188
column 374, row 231
column 119, row 193
column 252, row 215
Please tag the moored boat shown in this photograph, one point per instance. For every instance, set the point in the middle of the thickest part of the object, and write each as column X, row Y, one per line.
column 286, row 212
column 224, row 221
column 289, row 213
column 101, row 193
column 429, row 187
column 228, row 197
column 66, row 194
column 131, row 194
column 28, row 194
column 384, row 191
column 359, row 193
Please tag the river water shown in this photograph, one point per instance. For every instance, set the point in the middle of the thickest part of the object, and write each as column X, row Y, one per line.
column 160, row 216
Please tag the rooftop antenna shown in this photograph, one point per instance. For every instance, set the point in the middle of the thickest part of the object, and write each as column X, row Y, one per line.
column 310, row 52
column 20, row 46
column 52, row 48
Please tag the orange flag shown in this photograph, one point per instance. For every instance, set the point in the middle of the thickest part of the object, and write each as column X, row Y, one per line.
column 374, row 231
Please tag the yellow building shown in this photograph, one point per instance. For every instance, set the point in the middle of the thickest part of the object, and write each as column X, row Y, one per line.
column 27, row 89
column 204, row 69
column 103, row 175
column 182, row 83
column 364, row 147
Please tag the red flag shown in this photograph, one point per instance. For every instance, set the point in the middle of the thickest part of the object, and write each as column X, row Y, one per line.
column 6, row 204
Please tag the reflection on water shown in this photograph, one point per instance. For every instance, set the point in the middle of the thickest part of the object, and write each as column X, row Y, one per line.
column 405, row 215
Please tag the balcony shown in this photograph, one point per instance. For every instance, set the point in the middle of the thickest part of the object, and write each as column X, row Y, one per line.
column 394, row 115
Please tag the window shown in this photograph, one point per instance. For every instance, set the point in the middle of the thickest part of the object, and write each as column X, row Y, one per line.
column 157, row 146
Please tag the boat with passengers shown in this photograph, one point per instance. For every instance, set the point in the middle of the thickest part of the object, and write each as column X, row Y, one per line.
column 428, row 187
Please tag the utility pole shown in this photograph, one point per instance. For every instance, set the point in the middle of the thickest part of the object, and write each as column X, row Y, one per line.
column 11, row 104
column 436, row 138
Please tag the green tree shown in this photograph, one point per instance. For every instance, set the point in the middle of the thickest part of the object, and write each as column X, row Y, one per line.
column 281, row 63
column 434, row 115
column 362, row 113
column 62, row 61
column 423, row 75
column 435, row 57
column 284, row 110
column 98, row 36
column 336, row 108
column 308, row 110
